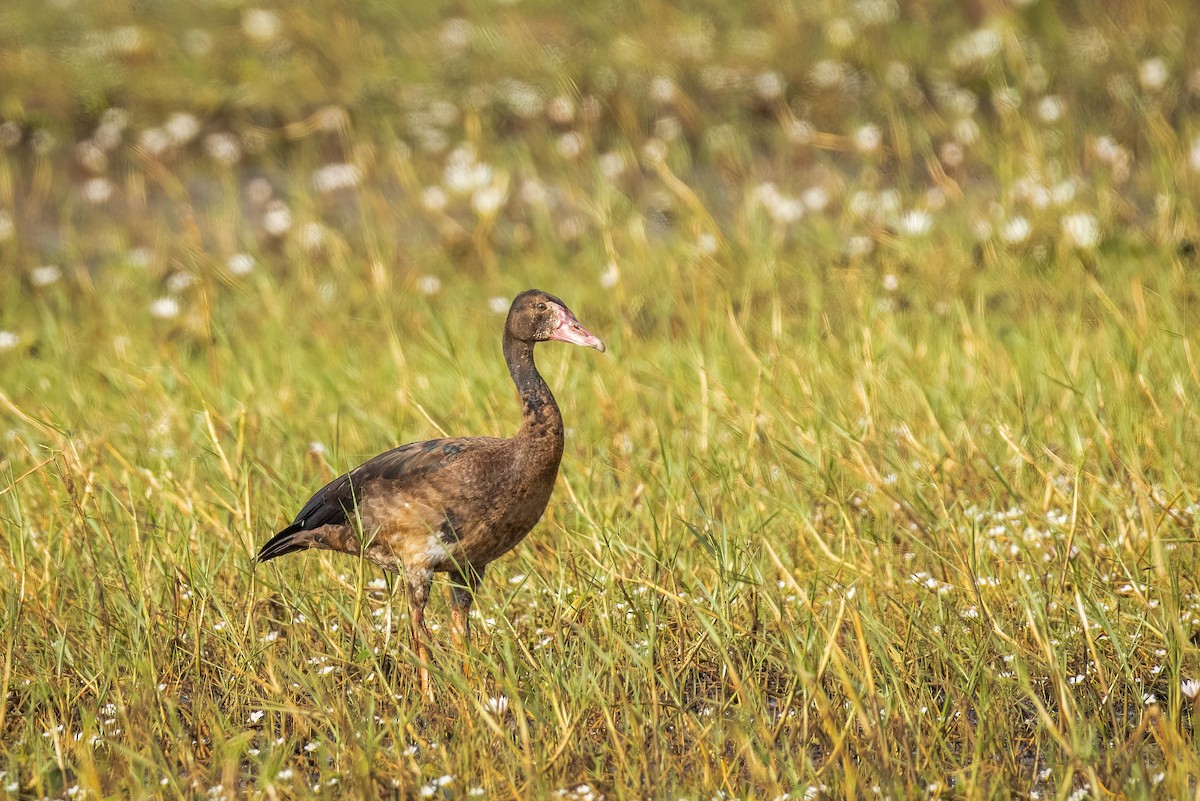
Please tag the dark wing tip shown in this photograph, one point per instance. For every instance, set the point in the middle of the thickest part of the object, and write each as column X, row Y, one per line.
column 285, row 542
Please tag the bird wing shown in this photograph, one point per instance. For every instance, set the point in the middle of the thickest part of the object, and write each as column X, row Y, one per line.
column 336, row 502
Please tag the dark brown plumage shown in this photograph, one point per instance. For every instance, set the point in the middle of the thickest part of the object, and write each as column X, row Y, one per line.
column 451, row 505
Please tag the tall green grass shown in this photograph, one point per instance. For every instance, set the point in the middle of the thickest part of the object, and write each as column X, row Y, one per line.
column 909, row 520
column 857, row 550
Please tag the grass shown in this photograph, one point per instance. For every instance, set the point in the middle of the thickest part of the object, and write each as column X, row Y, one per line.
column 885, row 489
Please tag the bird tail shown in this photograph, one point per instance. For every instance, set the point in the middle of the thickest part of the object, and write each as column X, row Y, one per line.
column 293, row 538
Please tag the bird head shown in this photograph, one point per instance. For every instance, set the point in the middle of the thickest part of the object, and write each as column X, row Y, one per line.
column 537, row 316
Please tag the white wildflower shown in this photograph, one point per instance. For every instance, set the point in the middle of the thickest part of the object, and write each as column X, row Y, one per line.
column 839, row 32
column 859, row 246
column 277, row 220
column 179, row 282
column 1081, row 230
column 561, row 110
column 769, row 85
column 781, row 208
column 182, row 127
column 1050, row 109
column 1191, row 689
column 497, row 705
column 463, row 174
column 611, row 165
column 97, row 190
column 1063, row 192
column 498, row 305
column 961, row 102
column 1015, row 231
column 815, row 198
column 915, row 222
column 867, row 139
column 570, row 145
column 335, row 177
column 800, row 132
column 1106, row 149
column 456, row 34
column 259, row 191
column 663, row 90
column 223, row 148
column 10, row 134
column 966, row 131
column 1152, row 74
column 433, row 199
column 610, row 276
column 951, row 154
column 521, row 98
column 534, row 192
column 976, row 48
column 91, row 156
column 487, row 200
column 261, row 24
column 655, row 150
column 128, row 39
column 863, row 203
column 312, row 236
column 827, row 73
column 45, row 275
column 429, row 285
column 240, row 264
column 8, row 340
column 898, row 75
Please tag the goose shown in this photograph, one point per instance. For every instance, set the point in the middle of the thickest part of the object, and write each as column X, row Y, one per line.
column 456, row 504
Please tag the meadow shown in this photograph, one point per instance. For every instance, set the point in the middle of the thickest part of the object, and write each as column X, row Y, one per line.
column 886, row 488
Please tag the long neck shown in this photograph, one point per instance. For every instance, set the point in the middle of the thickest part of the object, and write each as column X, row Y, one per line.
column 541, row 417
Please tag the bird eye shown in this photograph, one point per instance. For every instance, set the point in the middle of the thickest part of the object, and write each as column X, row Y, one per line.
column 542, row 306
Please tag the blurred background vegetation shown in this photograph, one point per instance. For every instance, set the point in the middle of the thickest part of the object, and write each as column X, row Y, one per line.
column 490, row 132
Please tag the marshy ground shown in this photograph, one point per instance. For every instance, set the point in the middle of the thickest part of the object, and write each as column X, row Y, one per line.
column 886, row 489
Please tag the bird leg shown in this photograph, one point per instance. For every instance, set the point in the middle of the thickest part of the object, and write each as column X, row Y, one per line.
column 418, row 595
column 463, row 586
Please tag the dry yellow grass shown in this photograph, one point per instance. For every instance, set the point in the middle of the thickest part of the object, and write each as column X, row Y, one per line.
column 886, row 488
